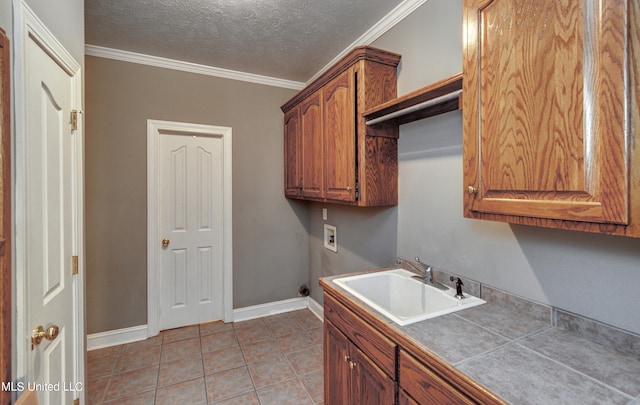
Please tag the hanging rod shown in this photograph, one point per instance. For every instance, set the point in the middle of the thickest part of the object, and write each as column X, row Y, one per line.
column 417, row 107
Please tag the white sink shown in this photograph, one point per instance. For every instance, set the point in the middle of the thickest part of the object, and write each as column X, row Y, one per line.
column 402, row 298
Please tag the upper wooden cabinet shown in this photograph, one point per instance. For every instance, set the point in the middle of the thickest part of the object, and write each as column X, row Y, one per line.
column 550, row 111
column 330, row 154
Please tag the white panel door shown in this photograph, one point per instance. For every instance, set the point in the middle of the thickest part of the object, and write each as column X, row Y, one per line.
column 50, row 196
column 191, row 224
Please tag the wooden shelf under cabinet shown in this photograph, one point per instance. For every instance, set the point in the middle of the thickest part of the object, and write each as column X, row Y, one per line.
column 437, row 98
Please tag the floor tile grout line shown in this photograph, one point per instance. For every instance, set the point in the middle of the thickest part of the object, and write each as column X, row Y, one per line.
column 204, row 373
column 263, row 323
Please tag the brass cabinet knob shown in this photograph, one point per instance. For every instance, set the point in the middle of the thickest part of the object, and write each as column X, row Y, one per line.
column 346, row 358
column 472, row 190
column 165, row 243
column 349, row 188
column 352, row 365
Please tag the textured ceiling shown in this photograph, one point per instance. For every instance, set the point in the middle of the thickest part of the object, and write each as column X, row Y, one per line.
column 287, row 39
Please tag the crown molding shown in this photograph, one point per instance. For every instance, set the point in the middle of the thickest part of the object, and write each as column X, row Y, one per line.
column 133, row 57
column 385, row 24
column 396, row 15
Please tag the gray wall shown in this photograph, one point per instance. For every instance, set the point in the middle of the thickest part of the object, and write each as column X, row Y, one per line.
column 6, row 17
column 366, row 239
column 276, row 239
column 270, row 235
column 593, row 275
column 65, row 19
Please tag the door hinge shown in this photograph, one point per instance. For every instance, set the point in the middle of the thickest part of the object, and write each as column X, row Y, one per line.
column 74, row 265
column 74, row 120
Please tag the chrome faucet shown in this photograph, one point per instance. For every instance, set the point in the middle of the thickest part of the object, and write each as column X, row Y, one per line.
column 425, row 271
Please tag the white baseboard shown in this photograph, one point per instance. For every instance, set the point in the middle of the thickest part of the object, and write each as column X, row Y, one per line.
column 317, row 309
column 116, row 337
column 271, row 308
column 136, row 333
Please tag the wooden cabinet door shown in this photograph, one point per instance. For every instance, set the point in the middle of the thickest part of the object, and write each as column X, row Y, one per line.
column 292, row 154
column 340, row 137
column 370, row 384
column 336, row 370
column 312, row 147
column 546, row 105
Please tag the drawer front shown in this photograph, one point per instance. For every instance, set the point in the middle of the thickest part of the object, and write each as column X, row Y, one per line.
column 405, row 399
column 425, row 386
column 375, row 345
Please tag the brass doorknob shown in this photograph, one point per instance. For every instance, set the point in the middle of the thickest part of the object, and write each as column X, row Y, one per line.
column 40, row 333
column 472, row 190
column 165, row 242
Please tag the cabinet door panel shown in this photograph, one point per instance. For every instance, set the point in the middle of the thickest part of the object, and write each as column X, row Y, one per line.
column 292, row 155
column 336, row 371
column 546, row 109
column 340, row 137
column 371, row 385
column 312, row 147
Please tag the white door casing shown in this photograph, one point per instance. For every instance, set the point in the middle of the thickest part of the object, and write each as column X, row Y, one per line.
column 189, row 203
column 48, row 212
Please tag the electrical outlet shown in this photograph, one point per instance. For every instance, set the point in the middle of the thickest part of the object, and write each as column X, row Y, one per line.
column 330, row 238
column 324, row 214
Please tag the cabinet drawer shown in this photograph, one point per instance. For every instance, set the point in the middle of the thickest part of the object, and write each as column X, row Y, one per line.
column 380, row 349
column 425, row 386
column 405, row 399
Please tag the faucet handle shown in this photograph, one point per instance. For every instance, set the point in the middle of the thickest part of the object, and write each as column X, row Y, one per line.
column 459, row 285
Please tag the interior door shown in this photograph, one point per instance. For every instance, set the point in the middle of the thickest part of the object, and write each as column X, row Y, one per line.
column 51, row 227
column 191, row 224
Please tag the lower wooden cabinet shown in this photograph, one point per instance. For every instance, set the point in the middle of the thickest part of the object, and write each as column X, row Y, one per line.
column 350, row 376
column 363, row 365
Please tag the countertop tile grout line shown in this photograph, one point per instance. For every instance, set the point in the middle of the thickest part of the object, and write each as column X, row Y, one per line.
column 592, row 379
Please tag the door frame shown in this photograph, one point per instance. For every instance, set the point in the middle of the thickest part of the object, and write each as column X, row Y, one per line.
column 5, row 200
column 27, row 25
column 155, row 128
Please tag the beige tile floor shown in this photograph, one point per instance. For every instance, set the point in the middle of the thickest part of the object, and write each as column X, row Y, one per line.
column 271, row 360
